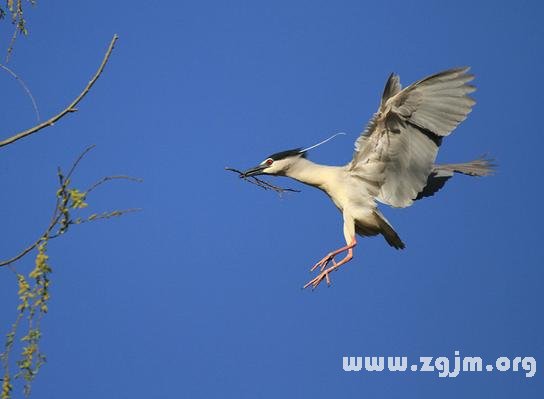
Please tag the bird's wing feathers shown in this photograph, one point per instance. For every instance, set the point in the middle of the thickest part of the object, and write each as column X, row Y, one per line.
column 392, row 87
column 437, row 103
column 398, row 147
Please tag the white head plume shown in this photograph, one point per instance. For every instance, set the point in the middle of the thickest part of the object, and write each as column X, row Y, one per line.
column 322, row 142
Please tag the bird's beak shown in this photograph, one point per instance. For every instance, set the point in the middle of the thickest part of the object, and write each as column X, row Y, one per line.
column 253, row 171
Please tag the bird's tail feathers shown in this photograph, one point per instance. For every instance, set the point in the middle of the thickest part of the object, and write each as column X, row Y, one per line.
column 479, row 167
column 388, row 232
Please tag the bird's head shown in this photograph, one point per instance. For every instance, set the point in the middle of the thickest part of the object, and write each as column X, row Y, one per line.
column 276, row 164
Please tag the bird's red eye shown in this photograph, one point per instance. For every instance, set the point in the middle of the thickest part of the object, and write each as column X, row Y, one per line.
column 269, row 162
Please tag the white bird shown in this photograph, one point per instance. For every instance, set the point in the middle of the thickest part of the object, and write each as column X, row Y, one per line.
column 393, row 162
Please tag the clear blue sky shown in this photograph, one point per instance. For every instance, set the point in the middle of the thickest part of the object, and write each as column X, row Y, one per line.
column 199, row 295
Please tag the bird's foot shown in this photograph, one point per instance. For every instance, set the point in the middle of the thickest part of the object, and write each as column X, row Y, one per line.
column 324, row 262
column 324, row 275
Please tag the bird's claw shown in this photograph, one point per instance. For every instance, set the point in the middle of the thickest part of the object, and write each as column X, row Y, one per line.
column 322, row 264
column 324, row 275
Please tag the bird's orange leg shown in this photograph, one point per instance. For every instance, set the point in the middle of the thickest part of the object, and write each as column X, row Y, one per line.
column 330, row 257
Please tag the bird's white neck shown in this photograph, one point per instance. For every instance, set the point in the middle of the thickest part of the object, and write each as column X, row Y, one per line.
column 310, row 173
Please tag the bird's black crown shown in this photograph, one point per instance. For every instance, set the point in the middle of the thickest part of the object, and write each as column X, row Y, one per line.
column 286, row 154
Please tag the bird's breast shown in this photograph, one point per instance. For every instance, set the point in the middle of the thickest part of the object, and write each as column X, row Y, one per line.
column 349, row 194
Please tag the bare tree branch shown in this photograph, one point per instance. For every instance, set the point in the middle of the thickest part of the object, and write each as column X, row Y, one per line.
column 70, row 108
column 99, row 216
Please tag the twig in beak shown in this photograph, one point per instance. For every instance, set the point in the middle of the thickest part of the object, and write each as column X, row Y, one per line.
column 263, row 184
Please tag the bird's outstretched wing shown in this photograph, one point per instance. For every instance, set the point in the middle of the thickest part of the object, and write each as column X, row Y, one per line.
column 397, row 150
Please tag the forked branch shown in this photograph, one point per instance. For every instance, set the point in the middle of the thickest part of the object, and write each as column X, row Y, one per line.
column 67, row 199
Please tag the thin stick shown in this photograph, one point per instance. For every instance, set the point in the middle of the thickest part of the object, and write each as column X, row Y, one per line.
column 77, row 161
column 26, row 89
column 70, row 108
column 263, row 184
column 115, row 177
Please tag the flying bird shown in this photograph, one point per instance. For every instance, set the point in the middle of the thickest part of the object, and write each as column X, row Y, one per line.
column 393, row 162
